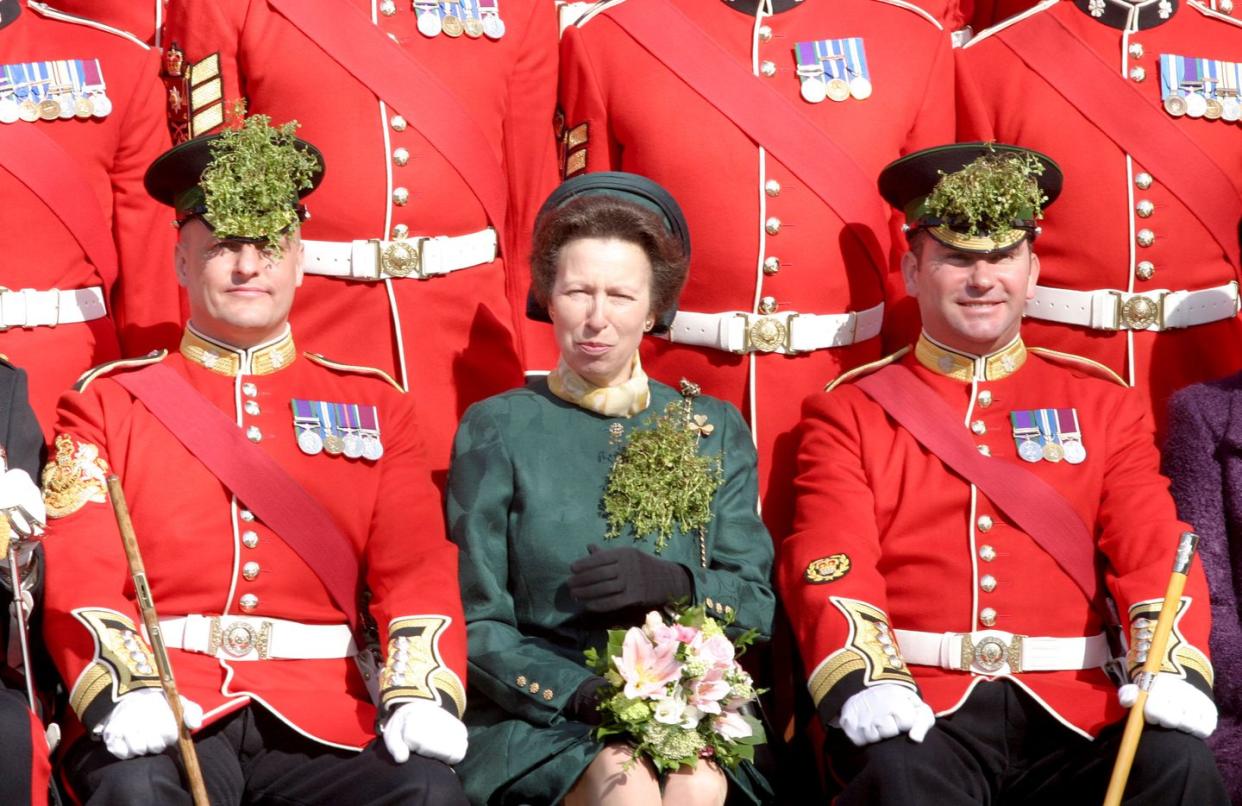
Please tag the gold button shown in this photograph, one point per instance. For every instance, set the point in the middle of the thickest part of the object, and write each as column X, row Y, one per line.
column 987, row 553
column 254, row 434
column 251, row 408
column 249, row 602
column 985, row 399
column 1138, row 73
column 765, row 33
column 985, row 450
column 984, row 523
column 772, row 187
column 771, row 265
column 398, row 123
column 547, row 694
column 521, row 680
column 246, row 515
column 1144, row 208
column 250, row 390
column 400, row 196
column 388, row 8
column 400, row 156
column 768, row 305
column 1145, row 269
column 1146, row 237
column 1136, row 50
column 1143, row 180
column 534, row 688
column 988, row 583
column 1224, row 6
column 250, row 539
column 772, row 226
column 708, row 601
column 250, row 571
column 767, row 68
column 400, row 231
column 987, row 617
column 978, row 427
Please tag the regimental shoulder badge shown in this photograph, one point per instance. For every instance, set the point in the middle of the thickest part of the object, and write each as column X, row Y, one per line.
column 77, row 476
column 833, row 69
column 828, row 569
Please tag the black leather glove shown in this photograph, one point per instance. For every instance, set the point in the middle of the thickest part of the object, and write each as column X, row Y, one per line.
column 611, row 579
column 583, row 706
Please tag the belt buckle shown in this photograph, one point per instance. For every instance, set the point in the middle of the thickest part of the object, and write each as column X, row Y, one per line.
column 992, row 653
column 239, row 638
column 4, row 325
column 401, row 258
column 766, row 333
column 1140, row 311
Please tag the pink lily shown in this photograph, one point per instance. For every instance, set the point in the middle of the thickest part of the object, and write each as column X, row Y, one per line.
column 646, row 669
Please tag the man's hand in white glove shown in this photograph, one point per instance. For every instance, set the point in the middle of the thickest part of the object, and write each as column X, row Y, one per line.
column 1175, row 704
column 142, row 724
column 22, row 503
column 422, row 727
column 884, row 711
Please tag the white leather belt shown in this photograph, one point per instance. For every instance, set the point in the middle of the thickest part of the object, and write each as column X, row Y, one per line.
column 246, row 638
column 30, row 308
column 1160, row 309
column 787, row 332
column 421, row 257
column 998, row 652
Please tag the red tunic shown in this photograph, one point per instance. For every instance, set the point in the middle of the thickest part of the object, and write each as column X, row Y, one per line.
column 456, row 331
column 625, row 110
column 206, row 554
column 109, row 155
column 1093, row 236
column 933, row 553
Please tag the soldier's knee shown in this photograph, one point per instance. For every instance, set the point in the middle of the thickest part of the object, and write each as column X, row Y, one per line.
column 147, row 779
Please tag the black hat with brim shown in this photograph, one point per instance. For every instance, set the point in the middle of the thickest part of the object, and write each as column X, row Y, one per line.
column 626, row 187
column 907, row 183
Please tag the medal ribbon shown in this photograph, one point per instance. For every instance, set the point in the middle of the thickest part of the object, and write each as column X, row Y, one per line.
column 1024, row 428
column 1170, row 78
column 368, row 418
column 857, row 58
column 1048, row 425
column 1067, row 422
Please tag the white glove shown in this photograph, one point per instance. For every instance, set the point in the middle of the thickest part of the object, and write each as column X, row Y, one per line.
column 142, row 724
column 427, row 729
column 1173, row 703
column 22, row 503
column 884, row 711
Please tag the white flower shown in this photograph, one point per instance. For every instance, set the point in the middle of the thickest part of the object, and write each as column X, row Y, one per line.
column 731, row 725
column 669, row 711
column 690, row 717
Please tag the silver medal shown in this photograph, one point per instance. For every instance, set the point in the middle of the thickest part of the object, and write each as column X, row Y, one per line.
column 429, row 24
column 353, row 446
column 309, row 442
column 493, row 26
column 372, row 448
column 1031, row 451
column 814, row 90
column 860, row 88
column 1075, row 453
column 10, row 111
column 102, row 105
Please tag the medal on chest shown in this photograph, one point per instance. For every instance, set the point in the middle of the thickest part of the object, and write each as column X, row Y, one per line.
column 53, row 90
column 833, row 69
column 1048, row 435
column 1199, row 88
column 351, row 430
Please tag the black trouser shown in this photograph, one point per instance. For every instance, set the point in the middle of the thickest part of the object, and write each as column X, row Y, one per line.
column 23, row 776
column 250, row 756
column 1002, row 746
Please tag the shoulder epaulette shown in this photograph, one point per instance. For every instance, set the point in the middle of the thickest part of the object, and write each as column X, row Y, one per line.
column 579, row 14
column 356, row 368
column 153, row 357
column 1003, row 24
column 1095, row 367
column 45, row 10
column 865, row 368
column 917, row 10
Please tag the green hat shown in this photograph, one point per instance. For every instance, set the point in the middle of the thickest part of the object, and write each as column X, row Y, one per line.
column 245, row 182
column 974, row 197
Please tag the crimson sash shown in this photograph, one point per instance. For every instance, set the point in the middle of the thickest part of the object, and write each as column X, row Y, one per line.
column 766, row 116
column 53, row 175
column 254, row 477
column 1033, row 504
column 1118, row 109
column 408, row 86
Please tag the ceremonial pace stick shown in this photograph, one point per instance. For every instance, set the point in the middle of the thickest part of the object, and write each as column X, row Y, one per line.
column 15, row 579
column 1155, row 656
column 185, row 744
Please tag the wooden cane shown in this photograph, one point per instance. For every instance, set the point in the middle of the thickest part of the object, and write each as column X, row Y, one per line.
column 1155, row 657
column 185, row 744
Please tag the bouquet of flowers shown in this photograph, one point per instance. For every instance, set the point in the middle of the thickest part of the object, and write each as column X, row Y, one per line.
column 676, row 691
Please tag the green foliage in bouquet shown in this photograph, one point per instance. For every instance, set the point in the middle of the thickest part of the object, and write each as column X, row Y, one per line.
column 659, row 482
column 990, row 194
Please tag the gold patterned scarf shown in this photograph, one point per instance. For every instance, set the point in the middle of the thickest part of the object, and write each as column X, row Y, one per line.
column 623, row 400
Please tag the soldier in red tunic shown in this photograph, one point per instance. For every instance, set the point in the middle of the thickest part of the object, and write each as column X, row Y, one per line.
column 954, row 502
column 86, row 251
column 1139, row 103
column 279, row 483
column 768, row 123
column 438, row 123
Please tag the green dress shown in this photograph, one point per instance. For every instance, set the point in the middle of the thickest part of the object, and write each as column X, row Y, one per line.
column 524, row 501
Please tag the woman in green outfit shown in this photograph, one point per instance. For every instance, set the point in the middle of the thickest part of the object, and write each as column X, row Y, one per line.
column 540, row 581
